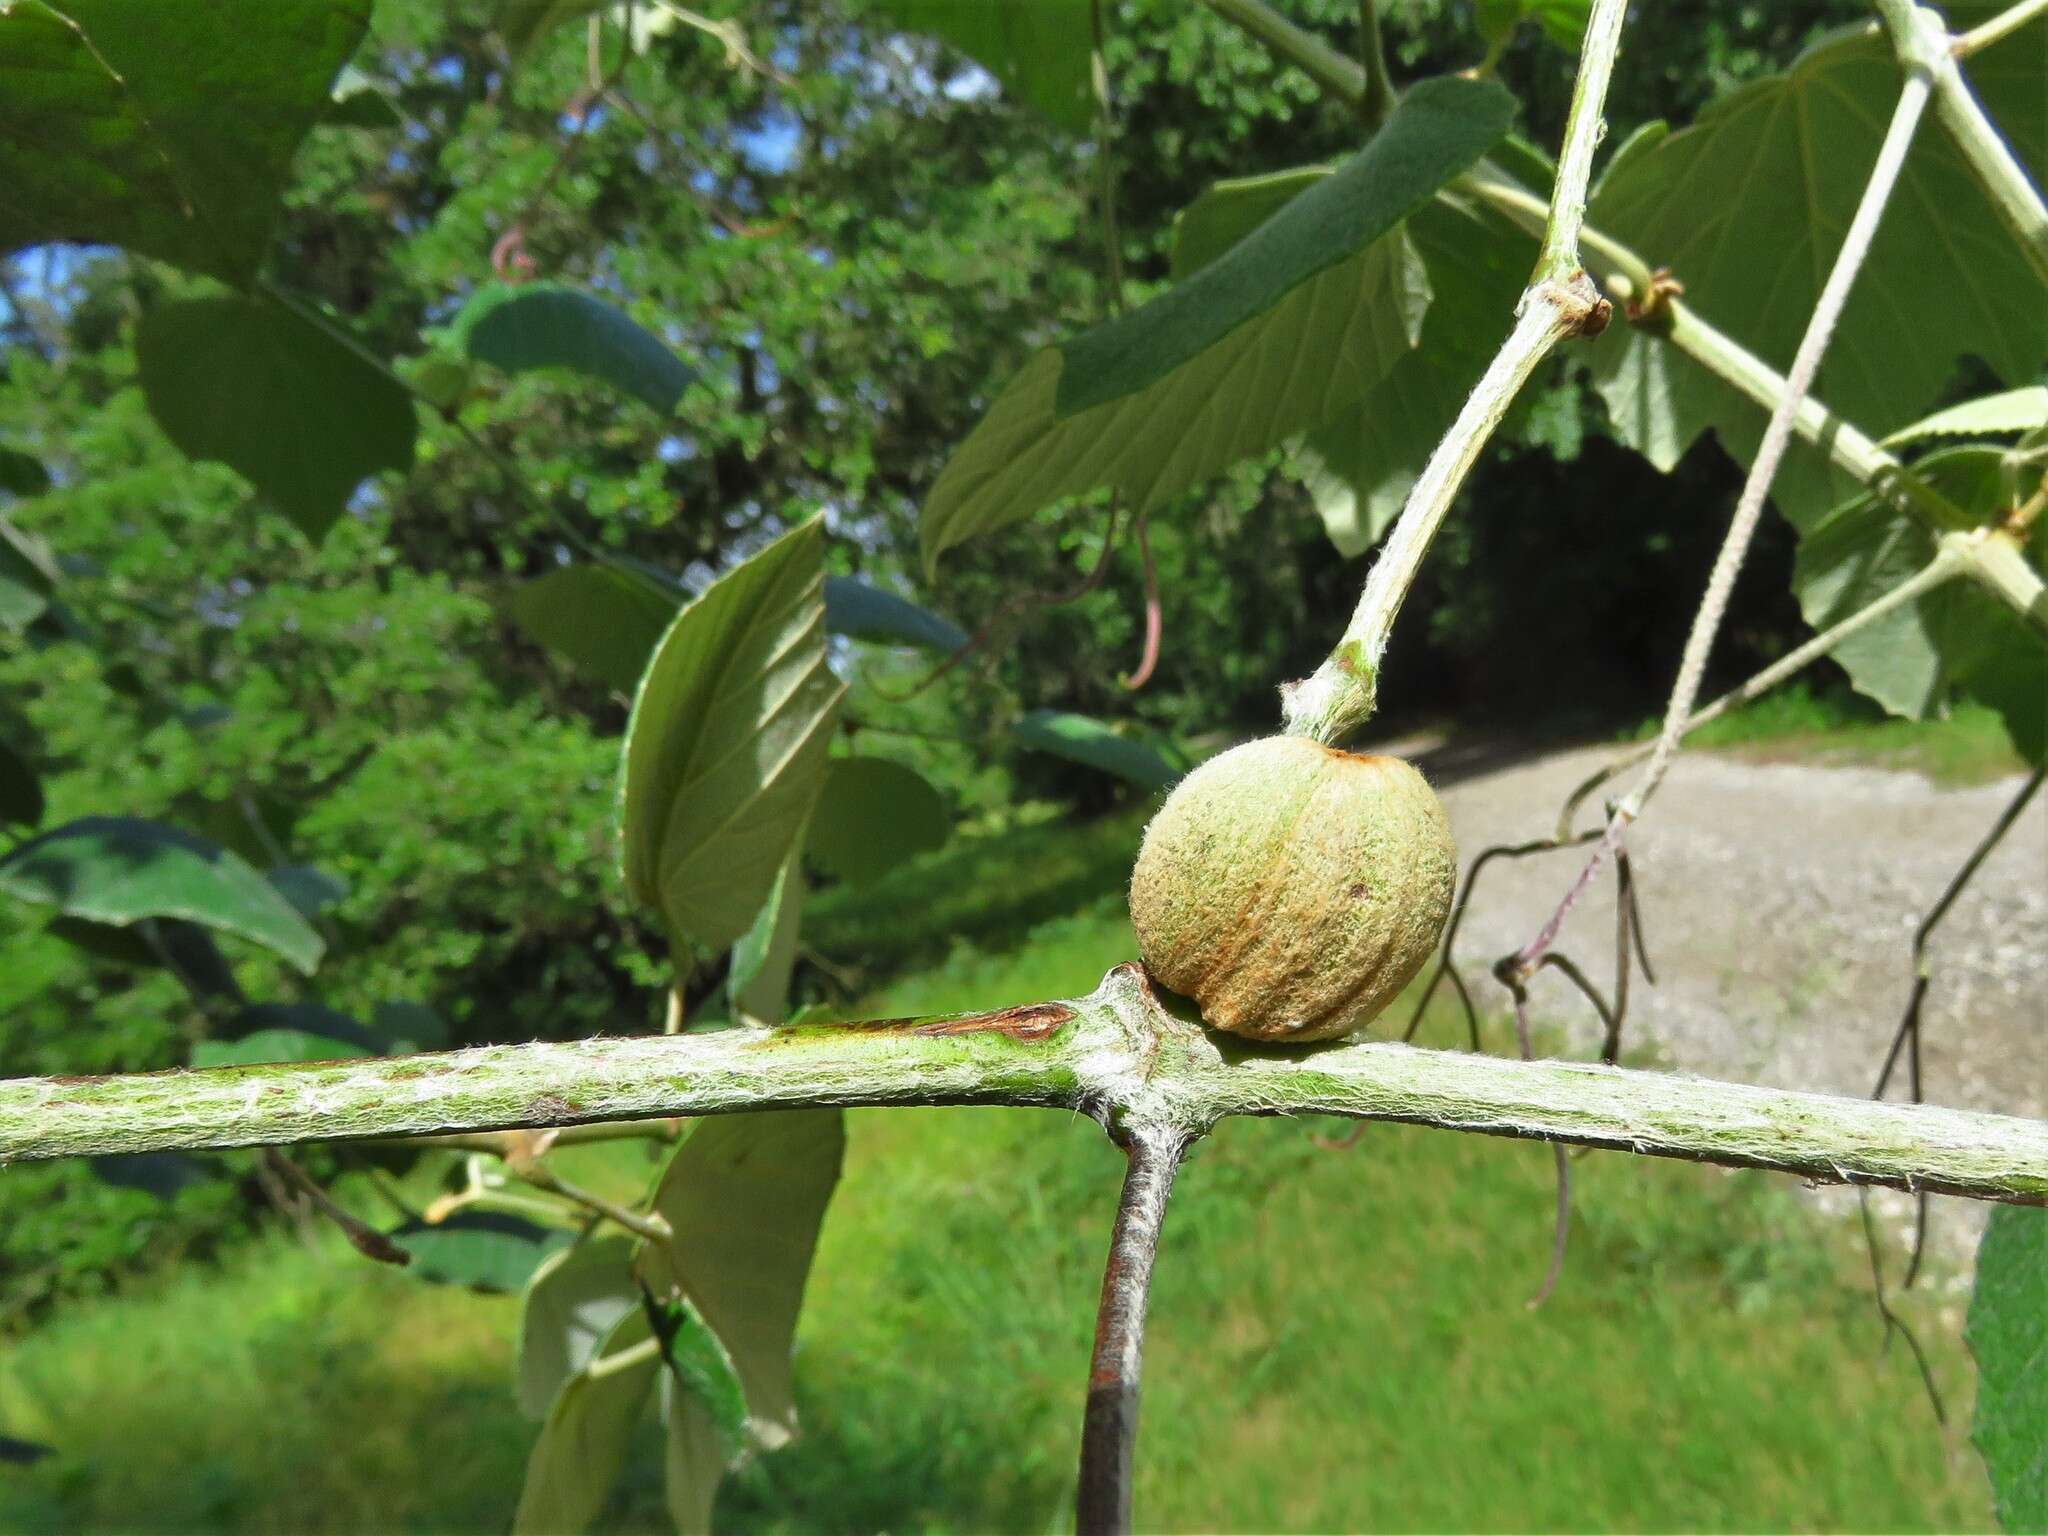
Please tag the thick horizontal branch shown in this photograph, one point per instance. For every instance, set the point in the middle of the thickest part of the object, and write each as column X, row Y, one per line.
column 1116, row 1054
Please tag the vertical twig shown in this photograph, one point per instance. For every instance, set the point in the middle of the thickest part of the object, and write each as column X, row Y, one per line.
column 1377, row 102
column 1109, row 1428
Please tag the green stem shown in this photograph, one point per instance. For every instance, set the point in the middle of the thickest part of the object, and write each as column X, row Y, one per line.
column 1307, row 52
column 1116, row 1054
column 1376, row 105
column 1999, row 27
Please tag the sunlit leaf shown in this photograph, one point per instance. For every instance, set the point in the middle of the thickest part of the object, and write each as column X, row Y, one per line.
column 765, row 956
column 479, row 1250
column 744, row 1196
column 1747, row 207
column 693, row 1461
column 2000, row 415
column 167, row 129
column 1037, row 49
column 573, row 1300
column 589, row 1429
column 119, row 869
column 1290, row 325
column 605, row 620
column 1083, row 739
column 874, row 815
column 862, row 612
column 2008, row 1333
column 301, row 415
column 726, row 748
column 542, row 325
column 1228, row 211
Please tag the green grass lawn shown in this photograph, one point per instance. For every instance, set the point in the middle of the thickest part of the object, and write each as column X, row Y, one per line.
column 1339, row 1341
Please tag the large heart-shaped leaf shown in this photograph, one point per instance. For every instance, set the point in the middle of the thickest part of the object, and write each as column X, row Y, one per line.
column 1958, row 635
column 2008, row 1334
column 1748, row 206
column 294, row 409
column 605, row 620
column 873, row 815
column 119, row 870
column 1288, row 326
column 588, row 1431
column 574, row 1299
column 744, row 1196
column 167, row 129
column 727, row 743
column 1038, row 49
column 544, row 325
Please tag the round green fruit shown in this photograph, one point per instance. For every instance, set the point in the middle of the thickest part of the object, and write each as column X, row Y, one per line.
column 1292, row 890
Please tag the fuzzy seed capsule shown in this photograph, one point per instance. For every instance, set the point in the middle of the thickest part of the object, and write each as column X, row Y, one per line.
column 1292, row 890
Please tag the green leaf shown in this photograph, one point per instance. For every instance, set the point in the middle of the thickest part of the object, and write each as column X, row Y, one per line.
column 574, row 1299
column 186, row 949
column 2016, row 410
column 161, row 1175
column 118, row 869
column 2008, row 1333
column 480, row 1250
column 744, row 1196
column 166, row 129
column 273, row 1045
column 21, row 474
column 1562, row 21
column 296, row 411
column 1228, row 211
column 1290, row 325
column 1083, row 739
column 542, row 325
column 523, row 23
column 701, row 1369
column 21, row 791
column 1913, row 660
column 589, row 1429
column 862, row 612
column 693, row 1461
column 28, row 576
column 874, row 815
column 765, row 956
column 1360, row 466
column 309, row 889
column 1037, row 49
column 727, row 744
column 605, row 620
column 406, row 1028
column 1748, row 205
column 306, row 1018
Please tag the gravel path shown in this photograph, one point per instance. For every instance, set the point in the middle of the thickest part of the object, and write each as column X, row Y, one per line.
column 1779, row 901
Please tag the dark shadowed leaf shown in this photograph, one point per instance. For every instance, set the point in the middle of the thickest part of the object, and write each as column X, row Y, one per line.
column 21, row 474
column 589, row 1428
column 403, row 1028
column 481, row 1250
column 541, row 325
column 118, row 869
column 862, row 612
column 1562, row 21
column 573, row 1300
column 1037, row 49
column 297, row 412
column 22, row 1453
column 306, row 1018
column 727, row 744
column 185, row 949
column 21, row 791
column 1084, row 739
column 1287, row 327
column 2008, row 1333
column 744, row 1195
column 873, row 815
column 167, row 129
column 161, row 1174
column 604, row 620
column 311, row 890
column 765, row 956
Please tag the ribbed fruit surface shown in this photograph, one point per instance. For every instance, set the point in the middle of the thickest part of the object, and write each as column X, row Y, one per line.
column 1292, row 890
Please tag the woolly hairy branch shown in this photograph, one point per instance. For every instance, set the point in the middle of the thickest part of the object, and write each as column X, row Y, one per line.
column 1117, row 1054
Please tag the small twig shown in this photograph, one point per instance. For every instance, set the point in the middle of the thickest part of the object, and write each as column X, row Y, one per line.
column 647, row 1224
column 1893, row 1323
column 1610, row 1020
column 1109, row 1427
column 1998, row 28
column 1149, row 659
column 363, row 1237
column 1376, row 103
